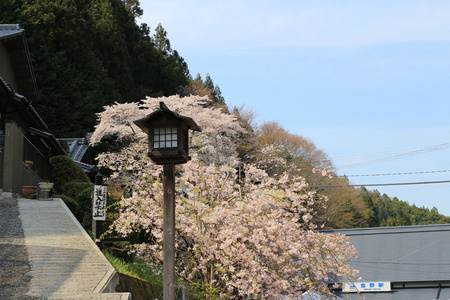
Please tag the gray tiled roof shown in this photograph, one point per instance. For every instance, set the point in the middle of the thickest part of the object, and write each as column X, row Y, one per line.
column 9, row 30
column 77, row 149
column 403, row 294
column 415, row 259
column 400, row 254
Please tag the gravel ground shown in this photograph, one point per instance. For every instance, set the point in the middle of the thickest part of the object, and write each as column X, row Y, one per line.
column 14, row 265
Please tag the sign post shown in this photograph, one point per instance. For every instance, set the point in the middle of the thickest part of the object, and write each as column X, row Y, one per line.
column 169, row 231
column 98, row 208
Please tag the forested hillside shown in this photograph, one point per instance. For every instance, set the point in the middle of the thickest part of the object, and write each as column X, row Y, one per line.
column 389, row 211
column 90, row 53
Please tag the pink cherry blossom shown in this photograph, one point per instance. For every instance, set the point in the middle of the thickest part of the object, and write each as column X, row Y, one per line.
column 253, row 236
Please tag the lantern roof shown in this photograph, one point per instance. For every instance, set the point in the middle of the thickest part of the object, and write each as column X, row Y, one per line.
column 164, row 110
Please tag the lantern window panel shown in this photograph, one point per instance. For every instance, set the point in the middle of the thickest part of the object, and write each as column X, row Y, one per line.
column 165, row 137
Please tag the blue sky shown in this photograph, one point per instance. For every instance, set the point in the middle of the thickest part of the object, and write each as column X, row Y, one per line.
column 366, row 81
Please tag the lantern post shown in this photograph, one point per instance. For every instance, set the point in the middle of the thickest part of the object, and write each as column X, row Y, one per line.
column 168, row 139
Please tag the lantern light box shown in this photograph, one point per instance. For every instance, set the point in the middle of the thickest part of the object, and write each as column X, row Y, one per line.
column 168, row 135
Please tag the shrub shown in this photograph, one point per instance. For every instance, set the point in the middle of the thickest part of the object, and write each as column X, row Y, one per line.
column 73, row 188
column 64, row 170
column 77, row 196
column 84, row 212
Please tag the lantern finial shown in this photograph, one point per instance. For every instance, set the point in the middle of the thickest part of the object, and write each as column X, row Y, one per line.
column 163, row 107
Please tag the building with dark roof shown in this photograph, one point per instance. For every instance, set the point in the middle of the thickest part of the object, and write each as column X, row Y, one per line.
column 412, row 262
column 25, row 143
column 77, row 149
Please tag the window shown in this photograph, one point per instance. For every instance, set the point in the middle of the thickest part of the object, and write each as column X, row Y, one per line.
column 165, row 138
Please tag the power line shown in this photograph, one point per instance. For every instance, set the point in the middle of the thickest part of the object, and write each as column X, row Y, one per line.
column 400, row 263
column 405, row 173
column 394, row 156
column 379, row 174
column 382, row 184
column 393, row 152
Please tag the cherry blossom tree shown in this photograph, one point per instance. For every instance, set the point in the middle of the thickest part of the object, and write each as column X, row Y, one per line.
column 236, row 237
column 216, row 143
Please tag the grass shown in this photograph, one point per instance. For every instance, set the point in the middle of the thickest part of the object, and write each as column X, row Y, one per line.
column 136, row 268
column 139, row 269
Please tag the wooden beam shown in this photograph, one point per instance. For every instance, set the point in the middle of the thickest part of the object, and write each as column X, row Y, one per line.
column 169, row 232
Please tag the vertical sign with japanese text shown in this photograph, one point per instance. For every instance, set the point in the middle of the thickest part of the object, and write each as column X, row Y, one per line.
column 99, row 203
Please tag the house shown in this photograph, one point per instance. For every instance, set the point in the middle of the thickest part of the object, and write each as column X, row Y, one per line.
column 404, row 262
column 25, row 143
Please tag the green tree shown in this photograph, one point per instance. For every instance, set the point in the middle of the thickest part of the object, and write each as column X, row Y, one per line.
column 10, row 10
column 87, row 54
column 161, row 41
column 204, row 88
column 394, row 212
column 372, row 209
